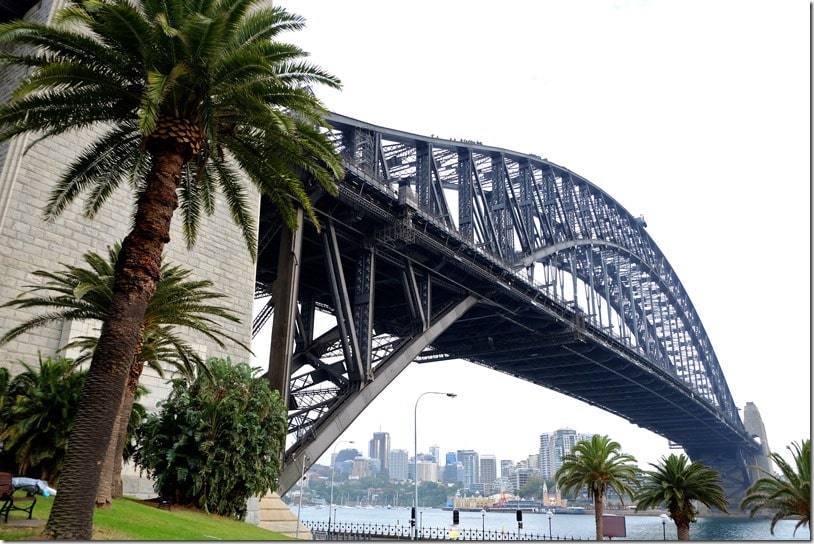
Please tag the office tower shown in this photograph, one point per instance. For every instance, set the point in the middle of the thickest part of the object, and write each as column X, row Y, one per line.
column 361, row 468
column 469, row 460
column 435, row 451
column 380, row 449
column 399, row 461
column 505, row 468
column 449, row 475
column 546, row 456
column 564, row 442
column 488, row 469
column 427, row 471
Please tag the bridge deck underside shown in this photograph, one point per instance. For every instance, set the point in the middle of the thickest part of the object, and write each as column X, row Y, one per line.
column 511, row 329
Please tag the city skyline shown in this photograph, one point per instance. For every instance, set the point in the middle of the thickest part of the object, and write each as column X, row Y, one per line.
column 680, row 131
column 479, row 474
column 555, row 442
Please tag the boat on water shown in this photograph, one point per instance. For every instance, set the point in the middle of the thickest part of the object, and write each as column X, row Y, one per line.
column 570, row 510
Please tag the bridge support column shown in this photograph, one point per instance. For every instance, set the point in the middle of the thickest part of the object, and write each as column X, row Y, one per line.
column 732, row 463
column 271, row 513
column 339, row 419
column 284, row 293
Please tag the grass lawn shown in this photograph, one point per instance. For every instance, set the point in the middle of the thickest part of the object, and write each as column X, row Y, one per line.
column 131, row 519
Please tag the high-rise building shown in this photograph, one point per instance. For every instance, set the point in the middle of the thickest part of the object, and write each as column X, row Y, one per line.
column 534, row 461
column 553, row 446
column 435, row 451
column 450, row 473
column 399, row 461
column 361, row 468
column 427, row 471
column 564, row 442
column 521, row 477
column 545, row 459
column 488, row 469
column 380, row 449
column 338, row 461
column 469, row 460
column 505, row 467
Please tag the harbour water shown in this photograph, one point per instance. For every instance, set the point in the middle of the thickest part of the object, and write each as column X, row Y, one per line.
column 579, row 526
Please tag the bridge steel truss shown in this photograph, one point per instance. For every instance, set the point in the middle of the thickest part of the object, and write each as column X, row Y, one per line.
column 440, row 249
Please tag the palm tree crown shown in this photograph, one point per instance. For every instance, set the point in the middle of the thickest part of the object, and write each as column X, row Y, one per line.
column 207, row 78
column 599, row 465
column 84, row 294
column 788, row 494
column 676, row 483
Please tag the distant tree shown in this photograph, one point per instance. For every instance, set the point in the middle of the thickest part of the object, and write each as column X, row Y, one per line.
column 676, row 483
column 788, row 494
column 533, row 488
column 432, row 494
column 599, row 465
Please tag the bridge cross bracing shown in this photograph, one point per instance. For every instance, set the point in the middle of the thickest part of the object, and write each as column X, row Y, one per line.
column 429, row 240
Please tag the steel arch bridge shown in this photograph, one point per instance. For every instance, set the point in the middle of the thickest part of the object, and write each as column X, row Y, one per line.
column 429, row 240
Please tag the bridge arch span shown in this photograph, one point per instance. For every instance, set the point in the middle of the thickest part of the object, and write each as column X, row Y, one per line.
column 429, row 238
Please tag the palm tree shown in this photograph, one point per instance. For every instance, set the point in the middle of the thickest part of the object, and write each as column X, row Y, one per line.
column 789, row 493
column 676, row 483
column 599, row 465
column 78, row 293
column 187, row 98
column 37, row 416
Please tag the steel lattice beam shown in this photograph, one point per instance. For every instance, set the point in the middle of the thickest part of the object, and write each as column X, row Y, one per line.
column 565, row 287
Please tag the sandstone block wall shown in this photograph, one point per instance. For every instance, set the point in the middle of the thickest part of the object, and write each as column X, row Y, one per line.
column 29, row 243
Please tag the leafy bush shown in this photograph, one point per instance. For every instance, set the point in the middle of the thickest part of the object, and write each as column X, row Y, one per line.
column 217, row 441
column 37, row 412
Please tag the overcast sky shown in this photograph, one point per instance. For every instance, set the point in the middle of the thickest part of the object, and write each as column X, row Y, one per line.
column 694, row 114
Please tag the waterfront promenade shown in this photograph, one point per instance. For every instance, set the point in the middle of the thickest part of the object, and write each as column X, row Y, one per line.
column 435, row 523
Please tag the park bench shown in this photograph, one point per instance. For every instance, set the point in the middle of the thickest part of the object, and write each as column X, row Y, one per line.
column 9, row 501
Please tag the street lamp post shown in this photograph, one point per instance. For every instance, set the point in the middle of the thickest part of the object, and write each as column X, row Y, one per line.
column 664, row 526
column 415, row 456
column 299, row 503
column 550, row 515
column 333, row 467
column 483, row 524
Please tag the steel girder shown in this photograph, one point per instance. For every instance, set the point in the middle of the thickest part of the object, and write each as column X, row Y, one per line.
column 566, row 288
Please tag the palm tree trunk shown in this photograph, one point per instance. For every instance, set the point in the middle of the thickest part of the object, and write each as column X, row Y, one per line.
column 110, row 486
column 599, row 509
column 111, row 470
column 683, row 531
column 121, row 433
column 137, row 271
column 103, row 499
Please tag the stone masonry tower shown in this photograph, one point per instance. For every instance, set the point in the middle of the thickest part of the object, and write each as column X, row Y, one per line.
column 29, row 243
column 754, row 426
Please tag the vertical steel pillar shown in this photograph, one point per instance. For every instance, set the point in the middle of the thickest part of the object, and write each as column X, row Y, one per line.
column 285, row 292
column 466, row 195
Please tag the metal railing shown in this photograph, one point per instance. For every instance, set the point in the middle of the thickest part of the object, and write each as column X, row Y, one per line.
column 377, row 531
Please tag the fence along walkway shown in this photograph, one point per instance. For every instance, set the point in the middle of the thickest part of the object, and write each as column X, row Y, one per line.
column 366, row 531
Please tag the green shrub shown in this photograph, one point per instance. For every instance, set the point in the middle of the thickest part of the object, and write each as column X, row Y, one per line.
column 37, row 414
column 217, row 441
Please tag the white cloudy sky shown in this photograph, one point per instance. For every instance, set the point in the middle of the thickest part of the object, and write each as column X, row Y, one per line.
column 694, row 114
